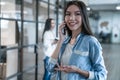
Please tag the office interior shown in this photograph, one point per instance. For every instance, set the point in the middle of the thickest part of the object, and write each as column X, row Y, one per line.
column 21, row 26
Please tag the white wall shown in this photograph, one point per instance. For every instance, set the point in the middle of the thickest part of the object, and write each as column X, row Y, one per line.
column 116, row 28
column 113, row 19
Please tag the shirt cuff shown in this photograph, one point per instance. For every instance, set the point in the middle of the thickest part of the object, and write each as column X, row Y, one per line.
column 52, row 60
column 91, row 75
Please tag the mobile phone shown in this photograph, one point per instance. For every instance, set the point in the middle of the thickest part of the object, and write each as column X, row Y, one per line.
column 56, row 39
column 64, row 30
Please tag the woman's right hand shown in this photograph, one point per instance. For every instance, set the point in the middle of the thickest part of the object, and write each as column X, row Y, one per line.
column 61, row 27
column 60, row 41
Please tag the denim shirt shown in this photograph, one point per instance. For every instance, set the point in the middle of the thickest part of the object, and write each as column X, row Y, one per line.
column 86, row 55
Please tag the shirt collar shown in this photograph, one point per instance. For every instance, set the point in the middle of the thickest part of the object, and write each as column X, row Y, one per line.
column 69, row 37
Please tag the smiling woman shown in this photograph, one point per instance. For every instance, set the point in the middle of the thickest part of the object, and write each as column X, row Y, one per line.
column 78, row 55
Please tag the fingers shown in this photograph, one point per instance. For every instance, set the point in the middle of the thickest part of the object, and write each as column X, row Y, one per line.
column 66, row 68
column 61, row 31
column 62, row 25
column 58, row 67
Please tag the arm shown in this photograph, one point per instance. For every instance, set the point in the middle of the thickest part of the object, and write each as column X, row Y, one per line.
column 60, row 41
column 57, row 50
column 47, row 40
column 100, row 72
column 84, row 73
column 54, row 57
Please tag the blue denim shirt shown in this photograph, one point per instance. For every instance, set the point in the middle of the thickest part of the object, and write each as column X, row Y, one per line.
column 86, row 55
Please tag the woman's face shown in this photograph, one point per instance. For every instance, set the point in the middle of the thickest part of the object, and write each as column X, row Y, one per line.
column 73, row 18
column 52, row 24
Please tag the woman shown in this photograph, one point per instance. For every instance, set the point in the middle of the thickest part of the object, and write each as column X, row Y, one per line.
column 49, row 43
column 79, row 55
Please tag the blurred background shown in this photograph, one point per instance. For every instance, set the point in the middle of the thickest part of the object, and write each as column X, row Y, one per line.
column 21, row 26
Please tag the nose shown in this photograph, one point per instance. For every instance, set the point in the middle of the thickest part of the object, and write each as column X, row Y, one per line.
column 72, row 17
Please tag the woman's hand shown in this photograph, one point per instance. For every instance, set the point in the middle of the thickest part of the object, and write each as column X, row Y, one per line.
column 61, row 27
column 67, row 69
column 72, row 69
column 54, row 41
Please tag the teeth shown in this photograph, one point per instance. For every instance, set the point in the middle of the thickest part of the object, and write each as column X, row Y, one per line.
column 72, row 23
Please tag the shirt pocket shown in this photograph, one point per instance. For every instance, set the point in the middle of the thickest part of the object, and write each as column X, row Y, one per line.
column 80, row 58
column 81, row 53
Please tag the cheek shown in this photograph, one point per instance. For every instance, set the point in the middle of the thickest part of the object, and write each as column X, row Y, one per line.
column 80, row 21
column 65, row 19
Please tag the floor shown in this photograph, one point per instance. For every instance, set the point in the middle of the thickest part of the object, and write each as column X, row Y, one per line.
column 111, row 53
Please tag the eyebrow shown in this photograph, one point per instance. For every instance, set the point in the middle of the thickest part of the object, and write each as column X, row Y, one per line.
column 75, row 11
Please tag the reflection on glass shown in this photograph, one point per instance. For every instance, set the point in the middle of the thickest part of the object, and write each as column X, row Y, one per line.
column 29, row 33
column 8, row 32
column 8, row 8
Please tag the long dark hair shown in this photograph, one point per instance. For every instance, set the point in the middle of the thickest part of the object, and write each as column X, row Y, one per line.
column 47, row 27
column 85, row 22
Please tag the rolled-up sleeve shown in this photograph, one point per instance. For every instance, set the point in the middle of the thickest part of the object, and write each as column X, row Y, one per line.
column 91, row 75
column 51, row 64
column 99, row 70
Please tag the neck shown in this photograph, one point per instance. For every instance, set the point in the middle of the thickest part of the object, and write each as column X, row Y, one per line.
column 75, row 33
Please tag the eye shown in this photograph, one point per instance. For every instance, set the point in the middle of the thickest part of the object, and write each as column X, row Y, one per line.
column 78, row 13
column 67, row 14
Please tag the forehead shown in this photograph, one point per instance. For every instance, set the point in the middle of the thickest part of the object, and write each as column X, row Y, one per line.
column 73, row 7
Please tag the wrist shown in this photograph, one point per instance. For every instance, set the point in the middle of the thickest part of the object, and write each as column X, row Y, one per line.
column 82, row 72
column 78, row 70
column 60, row 41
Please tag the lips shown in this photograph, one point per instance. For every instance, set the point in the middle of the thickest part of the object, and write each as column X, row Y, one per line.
column 72, row 23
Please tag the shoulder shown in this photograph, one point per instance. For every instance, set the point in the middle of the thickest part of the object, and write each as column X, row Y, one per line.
column 91, row 39
column 47, row 33
column 93, row 42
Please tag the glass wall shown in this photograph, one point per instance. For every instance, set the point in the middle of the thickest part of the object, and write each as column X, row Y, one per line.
column 21, row 26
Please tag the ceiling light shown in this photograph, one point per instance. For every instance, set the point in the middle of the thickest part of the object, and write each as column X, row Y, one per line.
column 88, row 8
column 118, row 7
column 2, row 3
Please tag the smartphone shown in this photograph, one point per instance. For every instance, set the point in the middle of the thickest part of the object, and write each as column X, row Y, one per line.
column 56, row 39
column 64, row 30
